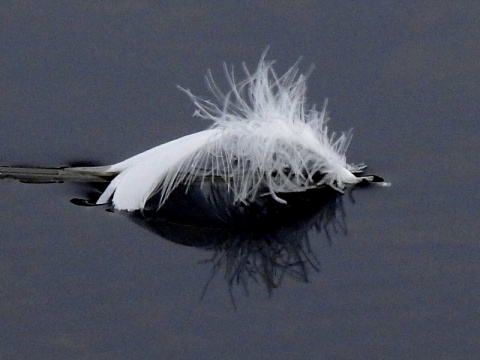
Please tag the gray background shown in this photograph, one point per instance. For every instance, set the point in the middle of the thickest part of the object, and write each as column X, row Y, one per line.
column 95, row 81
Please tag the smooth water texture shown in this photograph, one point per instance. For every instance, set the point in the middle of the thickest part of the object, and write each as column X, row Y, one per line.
column 387, row 273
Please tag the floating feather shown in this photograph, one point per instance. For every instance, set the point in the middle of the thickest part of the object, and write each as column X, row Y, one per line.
column 263, row 140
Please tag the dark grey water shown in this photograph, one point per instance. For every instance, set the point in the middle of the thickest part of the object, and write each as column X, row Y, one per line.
column 95, row 81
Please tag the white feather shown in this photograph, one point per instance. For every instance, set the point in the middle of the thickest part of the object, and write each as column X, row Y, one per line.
column 262, row 138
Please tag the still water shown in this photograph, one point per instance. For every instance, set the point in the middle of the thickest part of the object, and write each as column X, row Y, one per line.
column 380, row 273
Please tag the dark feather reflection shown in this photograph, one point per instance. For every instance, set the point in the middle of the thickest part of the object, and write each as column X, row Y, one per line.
column 262, row 242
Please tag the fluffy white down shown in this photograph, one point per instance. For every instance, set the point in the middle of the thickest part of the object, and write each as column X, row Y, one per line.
column 262, row 139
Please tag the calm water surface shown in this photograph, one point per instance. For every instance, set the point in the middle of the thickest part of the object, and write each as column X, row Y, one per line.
column 398, row 276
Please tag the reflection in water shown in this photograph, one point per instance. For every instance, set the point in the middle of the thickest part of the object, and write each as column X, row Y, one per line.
column 263, row 242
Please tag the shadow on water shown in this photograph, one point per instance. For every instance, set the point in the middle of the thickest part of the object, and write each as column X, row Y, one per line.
column 264, row 242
